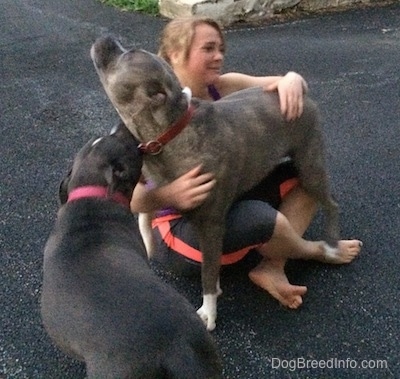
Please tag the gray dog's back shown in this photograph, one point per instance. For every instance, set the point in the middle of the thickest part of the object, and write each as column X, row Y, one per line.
column 102, row 303
column 242, row 138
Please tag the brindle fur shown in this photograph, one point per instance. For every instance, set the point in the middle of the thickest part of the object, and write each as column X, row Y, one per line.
column 239, row 138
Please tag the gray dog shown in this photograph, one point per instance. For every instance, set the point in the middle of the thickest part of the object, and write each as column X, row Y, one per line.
column 240, row 138
column 101, row 302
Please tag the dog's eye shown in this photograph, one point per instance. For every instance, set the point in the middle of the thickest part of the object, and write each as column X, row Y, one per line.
column 156, row 92
column 158, row 98
column 154, row 88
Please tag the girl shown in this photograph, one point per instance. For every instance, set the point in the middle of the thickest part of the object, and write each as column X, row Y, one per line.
column 272, row 217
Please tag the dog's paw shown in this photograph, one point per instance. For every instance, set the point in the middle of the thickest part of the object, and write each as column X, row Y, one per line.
column 208, row 320
column 208, row 311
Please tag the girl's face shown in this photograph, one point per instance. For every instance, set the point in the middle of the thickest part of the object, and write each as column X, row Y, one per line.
column 206, row 55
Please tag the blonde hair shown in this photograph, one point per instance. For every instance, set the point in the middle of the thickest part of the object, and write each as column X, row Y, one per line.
column 178, row 35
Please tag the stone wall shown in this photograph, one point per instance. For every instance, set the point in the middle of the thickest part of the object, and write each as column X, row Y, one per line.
column 231, row 11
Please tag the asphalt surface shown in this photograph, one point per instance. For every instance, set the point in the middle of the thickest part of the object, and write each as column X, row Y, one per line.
column 51, row 103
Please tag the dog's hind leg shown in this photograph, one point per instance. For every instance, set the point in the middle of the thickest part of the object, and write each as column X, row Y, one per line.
column 315, row 182
column 331, row 210
column 335, row 251
column 108, row 366
column 194, row 358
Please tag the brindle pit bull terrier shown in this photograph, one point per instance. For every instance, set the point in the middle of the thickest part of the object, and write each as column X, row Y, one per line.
column 101, row 302
column 239, row 138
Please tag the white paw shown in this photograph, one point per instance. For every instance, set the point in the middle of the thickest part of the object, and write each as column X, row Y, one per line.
column 208, row 311
column 330, row 252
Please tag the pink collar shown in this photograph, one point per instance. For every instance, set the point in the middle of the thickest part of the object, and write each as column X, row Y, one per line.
column 99, row 192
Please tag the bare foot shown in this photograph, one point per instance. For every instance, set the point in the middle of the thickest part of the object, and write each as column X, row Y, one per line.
column 345, row 252
column 276, row 283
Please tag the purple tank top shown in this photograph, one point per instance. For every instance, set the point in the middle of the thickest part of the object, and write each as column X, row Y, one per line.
column 213, row 92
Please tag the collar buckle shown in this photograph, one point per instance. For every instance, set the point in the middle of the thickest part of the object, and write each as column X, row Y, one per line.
column 153, row 147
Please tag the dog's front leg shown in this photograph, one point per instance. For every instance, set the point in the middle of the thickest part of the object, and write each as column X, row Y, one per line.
column 210, row 239
column 144, row 221
column 208, row 310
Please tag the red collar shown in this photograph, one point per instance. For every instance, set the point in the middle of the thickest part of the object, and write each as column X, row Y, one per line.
column 99, row 192
column 155, row 147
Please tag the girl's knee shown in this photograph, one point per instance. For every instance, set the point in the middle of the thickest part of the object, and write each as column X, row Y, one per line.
column 281, row 225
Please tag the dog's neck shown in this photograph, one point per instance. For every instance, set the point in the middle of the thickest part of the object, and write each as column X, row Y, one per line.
column 155, row 147
column 100, row 192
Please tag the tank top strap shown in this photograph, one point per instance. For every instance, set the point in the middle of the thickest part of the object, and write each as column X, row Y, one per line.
column 213, row 92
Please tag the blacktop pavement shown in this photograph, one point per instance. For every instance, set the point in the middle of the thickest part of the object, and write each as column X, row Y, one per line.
column 52, row 102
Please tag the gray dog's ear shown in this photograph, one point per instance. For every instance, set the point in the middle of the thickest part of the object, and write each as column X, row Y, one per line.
column 63, row 188
column 104, row 50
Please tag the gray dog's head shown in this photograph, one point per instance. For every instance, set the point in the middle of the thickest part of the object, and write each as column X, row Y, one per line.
column 113, row 161
column 141, row 86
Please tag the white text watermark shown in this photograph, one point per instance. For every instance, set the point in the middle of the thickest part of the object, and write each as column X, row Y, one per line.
column 331, row 363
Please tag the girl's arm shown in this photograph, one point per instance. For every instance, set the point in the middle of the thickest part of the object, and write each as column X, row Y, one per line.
column 291, row 89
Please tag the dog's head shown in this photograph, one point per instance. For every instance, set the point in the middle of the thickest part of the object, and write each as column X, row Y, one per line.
column 142, row 86
column 113, row 161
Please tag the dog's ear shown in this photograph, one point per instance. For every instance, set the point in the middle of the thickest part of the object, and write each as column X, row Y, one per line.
column 115, row 173
column 105, row 50
column 63, row 188
column 121, row 131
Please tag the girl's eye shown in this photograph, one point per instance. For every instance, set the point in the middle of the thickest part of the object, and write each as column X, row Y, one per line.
column 209, row 49
column 213, row 48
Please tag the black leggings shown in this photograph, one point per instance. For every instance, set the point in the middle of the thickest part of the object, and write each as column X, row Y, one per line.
column 250, row 223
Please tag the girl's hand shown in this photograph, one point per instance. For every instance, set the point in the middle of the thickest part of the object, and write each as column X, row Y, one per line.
column 190, row 190
column 291, row 89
